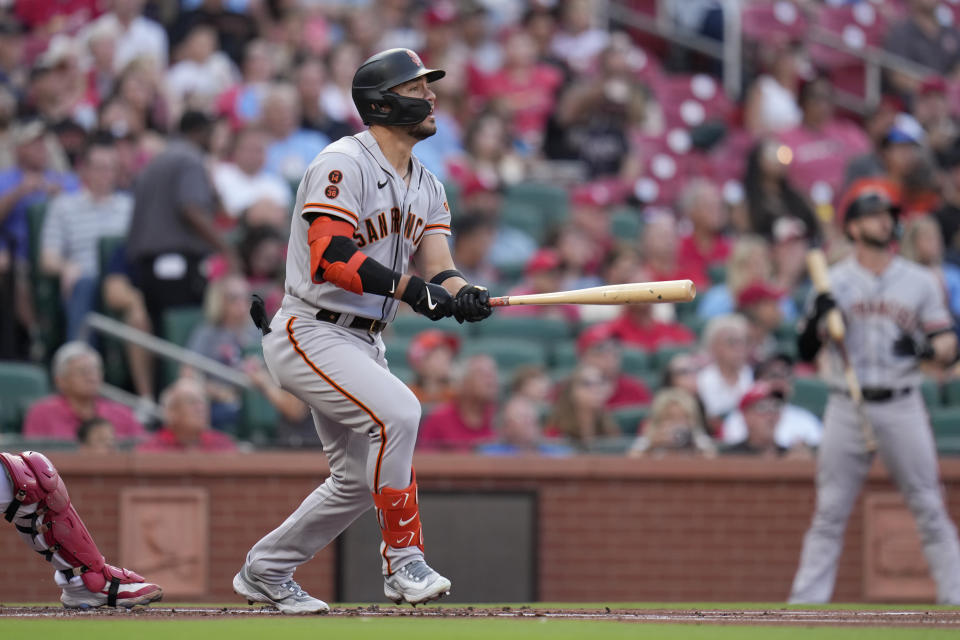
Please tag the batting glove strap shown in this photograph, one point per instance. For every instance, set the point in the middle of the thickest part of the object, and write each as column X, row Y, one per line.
column 430, row 300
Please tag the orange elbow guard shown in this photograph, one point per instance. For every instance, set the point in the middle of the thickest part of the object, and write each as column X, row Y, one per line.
column 339, row 270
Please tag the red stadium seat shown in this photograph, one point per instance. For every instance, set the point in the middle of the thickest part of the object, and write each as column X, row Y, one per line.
column 773, row 22
column 689, row 100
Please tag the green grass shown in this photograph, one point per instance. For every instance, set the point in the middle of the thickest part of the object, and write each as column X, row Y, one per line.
column 428, row 629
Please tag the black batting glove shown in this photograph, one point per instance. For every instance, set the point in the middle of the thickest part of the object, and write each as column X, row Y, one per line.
column 822, row 305
column 472, row 303
column 907, row 346
column 427, row 299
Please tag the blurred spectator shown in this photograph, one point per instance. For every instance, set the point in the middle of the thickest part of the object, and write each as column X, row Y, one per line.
column 705, row 245
column 101, row 72
column 923, row 244
column 523, row 90
column 877, row 124
column 96, row 436
column 77, row 375
column 659, row 246
column 789, row 254
column 488, row 162
column 483, row 52
column 579, row 411
column 924, row 39
column 122, row 298
column 675, row 426
column 291, row 148
column 74, row 225
column 761, row 406
column 948, row 215
column 581, row 257
column 593, row 117
column 467, row 420
column 243, row 183
column 822, row 144
column 309, row 79
column 431, row 355
column 186, row 423
column 263, row 255
column 228, row 336
column 336, row 98
column 543, row 274
column 51, row 17
column 172, row 229
column 770, row 194
column 578, row 41
column 242, row 103
column 771, row 103
column 636, row 327
column 521, row 433
column 235, row 28
column 29, row 184
column 931, row 108
column 721, row 383
column 473, row 238
column 681, row 373
column 533, row 383
column 759, row 303
column 137, row 36
column 203, row 71
column 901, row 149
column 138, row 106
column 603, row 351
column 57, row 87
column 749, row 262
column 797, row 427
column 13, row 71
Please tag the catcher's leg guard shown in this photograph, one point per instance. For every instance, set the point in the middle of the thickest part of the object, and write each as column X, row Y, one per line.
column 42, row 512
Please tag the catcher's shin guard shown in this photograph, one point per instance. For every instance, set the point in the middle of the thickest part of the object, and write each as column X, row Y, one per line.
column 398, row 513
column 42, row 513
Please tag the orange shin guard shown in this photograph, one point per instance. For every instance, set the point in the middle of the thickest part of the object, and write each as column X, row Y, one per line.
column 398, row 513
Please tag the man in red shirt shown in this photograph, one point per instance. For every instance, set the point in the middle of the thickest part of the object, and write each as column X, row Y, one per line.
column 602, row 350
column 661, row 258
column 705, row 245
column 636, row 327
column 78, row 376
column 186, row 412
column 467, row 421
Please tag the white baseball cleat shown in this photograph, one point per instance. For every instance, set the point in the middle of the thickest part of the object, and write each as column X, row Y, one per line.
column 127, row 595
column 415, row 583
column 287, row 597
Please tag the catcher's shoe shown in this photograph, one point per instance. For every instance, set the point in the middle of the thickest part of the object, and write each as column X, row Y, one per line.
column 287, row 597
column 114, row 594
column 415, row 583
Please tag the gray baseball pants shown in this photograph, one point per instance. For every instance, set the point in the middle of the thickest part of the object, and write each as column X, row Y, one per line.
column 367, row 420
column 906, row 446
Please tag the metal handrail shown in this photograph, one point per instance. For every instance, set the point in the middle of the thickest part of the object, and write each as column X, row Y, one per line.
column 117, row 329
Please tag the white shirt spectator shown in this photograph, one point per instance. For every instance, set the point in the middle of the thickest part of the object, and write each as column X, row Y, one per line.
column 143, row 38
column 238, row 191
column 210, row 78
column 779, row 110
column 796, row 425
column 579, row 50
column 720, row 398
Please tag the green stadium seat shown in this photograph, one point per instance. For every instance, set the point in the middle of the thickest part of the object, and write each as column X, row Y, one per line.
column 527, row 327
column 553, row 202
column 526, row 218
column 636, row 362
column 931, row 393
column 179, row 323
column 564, row 355
column 629, row 418
column 410, row 324
column 404, row 373
column 811, row 394
column 717, row 273
column 15, row 443
column 21, row 384
column 626, row 225
column 951, row 393
column 611, row 445
column 946, row 429
column 51, row 322
column 258, row 418
column 115, row 369
column 508, row 353
column 663, row 355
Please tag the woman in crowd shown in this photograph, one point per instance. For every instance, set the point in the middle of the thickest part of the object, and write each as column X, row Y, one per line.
column 579, row 411
column 675, row 426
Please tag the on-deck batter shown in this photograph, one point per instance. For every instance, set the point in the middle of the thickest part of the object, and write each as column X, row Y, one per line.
column 364, row 207
column 895, row 315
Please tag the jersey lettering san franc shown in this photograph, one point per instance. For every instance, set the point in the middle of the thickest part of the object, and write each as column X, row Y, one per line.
column 351, row 180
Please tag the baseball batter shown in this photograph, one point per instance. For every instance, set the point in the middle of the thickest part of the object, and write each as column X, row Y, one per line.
column 364, row 207
column 895, row 316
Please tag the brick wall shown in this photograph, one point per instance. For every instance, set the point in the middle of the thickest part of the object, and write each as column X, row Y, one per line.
column 609, row 529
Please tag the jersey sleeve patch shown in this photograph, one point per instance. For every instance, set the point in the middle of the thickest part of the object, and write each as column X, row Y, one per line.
column 332, row 191
column 335, row 176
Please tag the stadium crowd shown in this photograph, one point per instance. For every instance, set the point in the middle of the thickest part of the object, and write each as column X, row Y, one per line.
column 150, row 151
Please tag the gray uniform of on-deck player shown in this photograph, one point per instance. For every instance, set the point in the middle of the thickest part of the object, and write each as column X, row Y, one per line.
column 876, row 311
column 366, row 418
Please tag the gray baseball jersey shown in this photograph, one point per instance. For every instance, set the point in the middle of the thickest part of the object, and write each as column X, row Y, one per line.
column 877, row 310
column 352, row 180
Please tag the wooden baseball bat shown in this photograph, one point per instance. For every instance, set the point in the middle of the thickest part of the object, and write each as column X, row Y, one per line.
column 820, row 277
column 630, row 293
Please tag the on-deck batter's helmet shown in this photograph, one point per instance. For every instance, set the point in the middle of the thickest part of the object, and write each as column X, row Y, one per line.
column 869, row 195
column 381, row 72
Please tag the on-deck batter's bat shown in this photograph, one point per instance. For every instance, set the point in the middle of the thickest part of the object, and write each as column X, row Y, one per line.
column 630, row 293
column 820, row 277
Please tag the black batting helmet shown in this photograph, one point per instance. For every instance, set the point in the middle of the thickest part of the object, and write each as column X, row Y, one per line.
column 381, row 72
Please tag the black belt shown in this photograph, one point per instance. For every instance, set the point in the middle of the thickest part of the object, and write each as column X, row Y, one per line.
column 882, row 394
column 366, row 324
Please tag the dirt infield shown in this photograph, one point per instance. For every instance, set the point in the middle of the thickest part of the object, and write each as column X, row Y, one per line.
column 941, row 619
